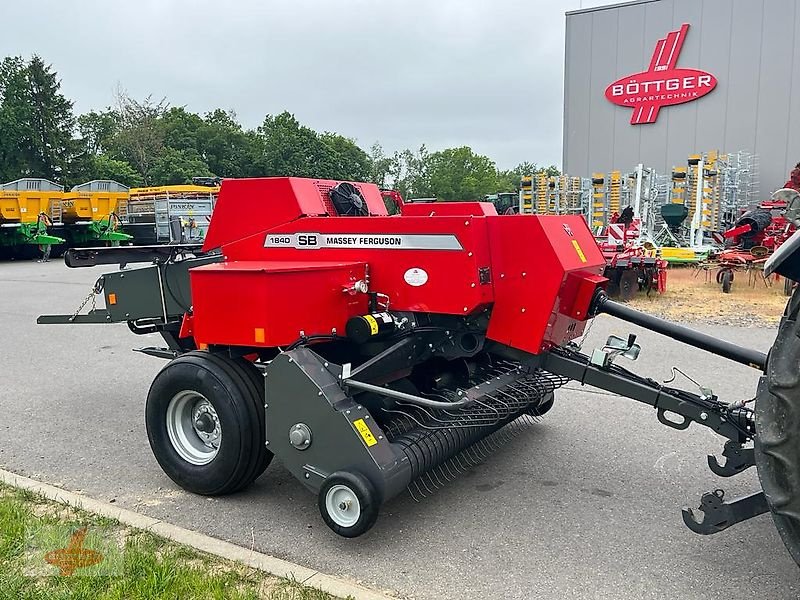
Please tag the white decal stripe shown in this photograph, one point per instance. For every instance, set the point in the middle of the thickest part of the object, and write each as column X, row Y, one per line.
column 674, row 45
column 660, row 47
column 650, row 115
column 383, row 241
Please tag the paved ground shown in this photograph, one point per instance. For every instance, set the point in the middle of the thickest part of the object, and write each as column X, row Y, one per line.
column 584, row 505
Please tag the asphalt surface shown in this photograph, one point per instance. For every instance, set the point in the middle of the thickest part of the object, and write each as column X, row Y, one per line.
column 585, row 504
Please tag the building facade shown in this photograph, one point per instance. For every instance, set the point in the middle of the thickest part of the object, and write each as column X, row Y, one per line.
column 654, row 81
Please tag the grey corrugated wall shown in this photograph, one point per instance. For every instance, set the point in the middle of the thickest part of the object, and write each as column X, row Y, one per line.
column 751, row 46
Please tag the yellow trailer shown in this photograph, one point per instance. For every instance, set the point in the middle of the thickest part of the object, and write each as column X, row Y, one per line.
column 28, row 207
column 95, row 211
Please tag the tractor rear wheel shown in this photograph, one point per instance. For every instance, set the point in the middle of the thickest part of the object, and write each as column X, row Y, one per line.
column 205, row 422
column 777, row 443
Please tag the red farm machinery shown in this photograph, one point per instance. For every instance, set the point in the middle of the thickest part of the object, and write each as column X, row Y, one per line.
column 375, row 353
column 756, row 234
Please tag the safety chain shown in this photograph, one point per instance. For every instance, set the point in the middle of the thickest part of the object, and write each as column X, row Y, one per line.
column 96, row 290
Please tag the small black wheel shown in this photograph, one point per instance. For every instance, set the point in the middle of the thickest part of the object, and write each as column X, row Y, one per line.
column 348, row 503
column 727, row 280
column 543, row 407
column 205, row 422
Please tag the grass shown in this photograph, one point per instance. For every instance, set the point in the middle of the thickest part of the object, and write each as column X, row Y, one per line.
column 151, row 567
column 696, row 296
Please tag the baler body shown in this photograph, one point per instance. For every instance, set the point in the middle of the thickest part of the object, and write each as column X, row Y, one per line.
column 286, row 271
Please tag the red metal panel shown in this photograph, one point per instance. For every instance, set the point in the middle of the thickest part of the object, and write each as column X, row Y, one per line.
column 269, row 303
column 448, row 209
column 451, row 283
column 578, row 292
column 248, row 206
column 531, row 257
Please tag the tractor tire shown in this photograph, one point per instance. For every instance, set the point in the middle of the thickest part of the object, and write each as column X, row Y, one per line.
column 777, row 442
column 205, row 422
column 628, row 285
column 726, row 279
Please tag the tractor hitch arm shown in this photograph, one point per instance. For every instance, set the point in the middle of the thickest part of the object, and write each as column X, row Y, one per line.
column 718, row 515
column 734, row 423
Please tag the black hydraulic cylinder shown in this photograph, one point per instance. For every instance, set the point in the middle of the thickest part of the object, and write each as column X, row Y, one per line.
column 740, row 354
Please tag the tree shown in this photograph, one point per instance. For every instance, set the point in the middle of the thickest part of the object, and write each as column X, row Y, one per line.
column 460, row 174
column 13, row 113
column 342, row 159
column 409, row 173
column 140, row 138
column 97, row 130
column 177, row 167
column 380, row 166
column 227, row 148
column 508, row 181
column 103, row 167
column 289, row 148
column 36, row 121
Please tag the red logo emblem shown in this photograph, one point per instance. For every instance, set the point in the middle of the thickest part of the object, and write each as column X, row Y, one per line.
column 662, row 84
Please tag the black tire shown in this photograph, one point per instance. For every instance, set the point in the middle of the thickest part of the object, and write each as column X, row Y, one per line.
column 360, row 488
column 726, row 280
column 543, row 407
column 226, row 384
column 613, row 275
column 777, row 443
column 257, row 380
column 628, row 285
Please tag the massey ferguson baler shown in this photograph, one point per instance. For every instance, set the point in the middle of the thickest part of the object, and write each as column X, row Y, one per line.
column 375, row 353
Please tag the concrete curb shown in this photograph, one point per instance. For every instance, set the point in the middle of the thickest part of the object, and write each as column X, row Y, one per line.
column 263, row 562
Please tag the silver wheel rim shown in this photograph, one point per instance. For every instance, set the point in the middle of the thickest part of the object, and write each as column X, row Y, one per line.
column 342, row 505
column 188, row 410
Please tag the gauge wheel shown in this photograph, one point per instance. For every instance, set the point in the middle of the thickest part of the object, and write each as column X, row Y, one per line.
column 205, row 422
column 348, row 503
column 543, row 407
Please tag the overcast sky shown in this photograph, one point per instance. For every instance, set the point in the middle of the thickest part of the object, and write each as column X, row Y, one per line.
column 487, row 74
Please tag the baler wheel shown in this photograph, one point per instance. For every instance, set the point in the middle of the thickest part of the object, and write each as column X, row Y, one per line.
column 543, row 407
column 348, row 503
column 777, row 444
column 205, row 422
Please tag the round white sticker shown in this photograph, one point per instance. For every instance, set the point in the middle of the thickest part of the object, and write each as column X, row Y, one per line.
column 416, row 277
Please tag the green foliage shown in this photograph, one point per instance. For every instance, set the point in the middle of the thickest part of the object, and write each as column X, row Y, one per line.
column 103, row 167
column 177, row 167
column 149, row 142
column 151, row 567
column 36, row 121
column 460, row 174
